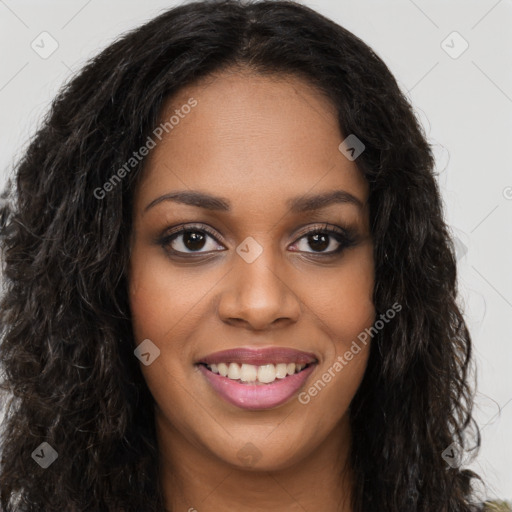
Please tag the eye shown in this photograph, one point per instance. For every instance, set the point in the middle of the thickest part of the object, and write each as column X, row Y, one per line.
column 322, row 238
column 189, row 240
column 193, row 239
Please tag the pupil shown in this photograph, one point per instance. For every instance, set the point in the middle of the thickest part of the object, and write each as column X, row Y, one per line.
column 195, row 240
column 323, row 244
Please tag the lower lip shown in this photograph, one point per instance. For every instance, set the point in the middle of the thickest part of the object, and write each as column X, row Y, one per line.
column 257, row 397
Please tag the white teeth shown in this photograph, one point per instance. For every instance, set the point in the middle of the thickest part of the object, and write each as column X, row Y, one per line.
column 267, row 373
column 281, row 372
column 248, row 373
column 234, row 371
column 223, row 369
column 264, row 374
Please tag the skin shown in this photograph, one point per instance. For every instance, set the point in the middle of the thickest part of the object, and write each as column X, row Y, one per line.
column 256, row 141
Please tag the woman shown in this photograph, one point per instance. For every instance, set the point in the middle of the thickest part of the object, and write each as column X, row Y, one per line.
column 229, row 284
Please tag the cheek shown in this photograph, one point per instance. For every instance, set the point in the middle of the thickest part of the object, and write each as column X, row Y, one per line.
column 355, row 311
column 163, row 300
column 159, row 307
column 347, row 311
column 149, row 293
column 344, row 301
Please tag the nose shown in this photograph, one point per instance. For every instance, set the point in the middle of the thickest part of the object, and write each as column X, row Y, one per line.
column 259, row 295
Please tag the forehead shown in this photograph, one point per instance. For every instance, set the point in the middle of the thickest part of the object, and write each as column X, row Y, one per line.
column 252, row 138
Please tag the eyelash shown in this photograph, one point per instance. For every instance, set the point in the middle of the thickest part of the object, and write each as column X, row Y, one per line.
column 345, row 237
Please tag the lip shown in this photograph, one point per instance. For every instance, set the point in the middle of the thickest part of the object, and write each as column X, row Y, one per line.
column 257, row 397
column 260, row 356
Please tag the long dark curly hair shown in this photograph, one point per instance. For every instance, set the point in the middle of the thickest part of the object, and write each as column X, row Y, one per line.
column 69, row 375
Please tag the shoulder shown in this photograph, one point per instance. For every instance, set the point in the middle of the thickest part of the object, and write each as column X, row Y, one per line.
column 497, row 506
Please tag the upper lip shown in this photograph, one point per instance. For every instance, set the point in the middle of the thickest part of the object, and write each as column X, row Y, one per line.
column 260, row 356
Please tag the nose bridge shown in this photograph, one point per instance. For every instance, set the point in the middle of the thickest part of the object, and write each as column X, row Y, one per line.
column 258, row 292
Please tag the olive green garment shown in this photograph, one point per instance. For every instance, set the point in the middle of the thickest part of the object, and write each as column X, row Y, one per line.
column 497, row 506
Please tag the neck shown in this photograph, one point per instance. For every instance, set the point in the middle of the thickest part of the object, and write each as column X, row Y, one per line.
column 193, row 479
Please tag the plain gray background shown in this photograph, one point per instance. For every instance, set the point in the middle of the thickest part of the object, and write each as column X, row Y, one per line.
column 462, row 96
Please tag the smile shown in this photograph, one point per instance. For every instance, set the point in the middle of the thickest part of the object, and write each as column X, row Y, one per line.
column 257, row 379
column 252, row 374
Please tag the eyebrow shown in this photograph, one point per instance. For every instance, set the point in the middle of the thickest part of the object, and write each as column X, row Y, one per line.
column 298, row 204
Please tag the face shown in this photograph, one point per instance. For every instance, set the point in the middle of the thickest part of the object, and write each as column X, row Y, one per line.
column 265, row 283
